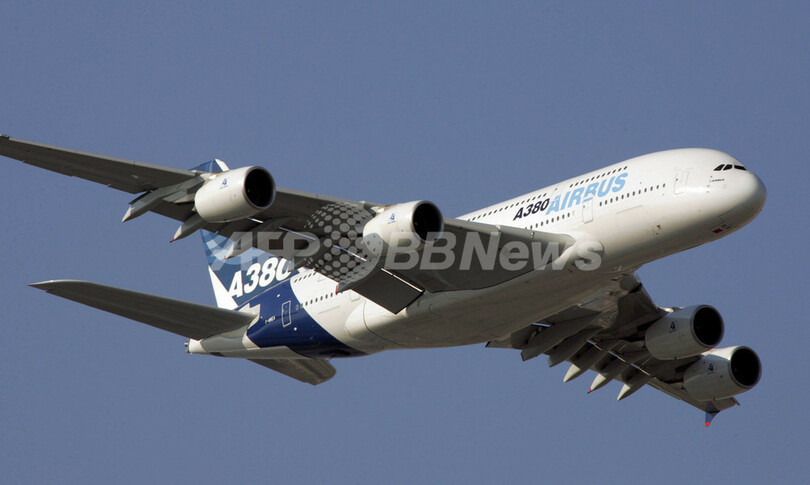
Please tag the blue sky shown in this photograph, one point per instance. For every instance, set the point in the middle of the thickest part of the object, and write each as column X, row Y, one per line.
column 460, row 103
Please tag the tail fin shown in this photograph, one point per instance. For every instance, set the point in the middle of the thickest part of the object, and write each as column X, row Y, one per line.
column 213, row 166
column 227, row 275
column 239, row 279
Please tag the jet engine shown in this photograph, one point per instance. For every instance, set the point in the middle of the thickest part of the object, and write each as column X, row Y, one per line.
column 407, row 226
column 684, row 333
column 722, row 373
column 235, row 194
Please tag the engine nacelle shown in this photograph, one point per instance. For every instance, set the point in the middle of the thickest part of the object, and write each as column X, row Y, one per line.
column 235, row 194
column 407, row 226
column 722, row 373
column 684, row 333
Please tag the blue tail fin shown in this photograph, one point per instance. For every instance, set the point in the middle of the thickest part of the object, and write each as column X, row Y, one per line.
column 213, row 166
column 239, row 279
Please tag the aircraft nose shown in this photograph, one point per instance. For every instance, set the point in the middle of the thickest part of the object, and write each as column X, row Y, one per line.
column 753, row 192
column 745, row 201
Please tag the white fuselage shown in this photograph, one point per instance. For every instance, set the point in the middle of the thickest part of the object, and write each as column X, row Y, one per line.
column 639, row 210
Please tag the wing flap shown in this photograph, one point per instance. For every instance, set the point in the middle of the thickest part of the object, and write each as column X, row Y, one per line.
column 191, row 320
column 311, row 371
column 387, row 290
column 477, row 260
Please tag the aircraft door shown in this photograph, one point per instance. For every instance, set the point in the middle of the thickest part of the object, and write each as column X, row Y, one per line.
column 286, row 318
column 680, row 181
column 587, row 211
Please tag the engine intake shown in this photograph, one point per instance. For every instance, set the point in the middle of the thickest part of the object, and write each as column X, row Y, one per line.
column 723, row 373
column 685, row 332
column 407, row 227
column 235, row 194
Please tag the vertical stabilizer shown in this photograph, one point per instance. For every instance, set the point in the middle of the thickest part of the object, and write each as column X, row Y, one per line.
column 238, row 279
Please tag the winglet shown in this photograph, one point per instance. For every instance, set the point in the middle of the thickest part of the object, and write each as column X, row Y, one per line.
column 709, row 417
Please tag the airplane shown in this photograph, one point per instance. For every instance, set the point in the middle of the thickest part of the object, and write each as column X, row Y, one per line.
column 301, row 279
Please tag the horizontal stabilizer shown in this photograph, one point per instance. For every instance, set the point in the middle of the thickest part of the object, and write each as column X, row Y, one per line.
column 311, row 371
column 191, row 320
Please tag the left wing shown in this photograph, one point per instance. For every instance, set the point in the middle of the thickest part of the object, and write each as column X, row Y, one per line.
column 171, row 193
column 606, row 334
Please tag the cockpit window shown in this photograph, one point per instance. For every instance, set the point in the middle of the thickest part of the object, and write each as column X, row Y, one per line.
column 728, row 167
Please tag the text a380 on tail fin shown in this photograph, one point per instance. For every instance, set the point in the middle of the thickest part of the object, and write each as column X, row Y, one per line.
column 302, row 278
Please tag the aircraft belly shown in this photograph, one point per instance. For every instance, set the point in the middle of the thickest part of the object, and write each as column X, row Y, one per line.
column 644, row 233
